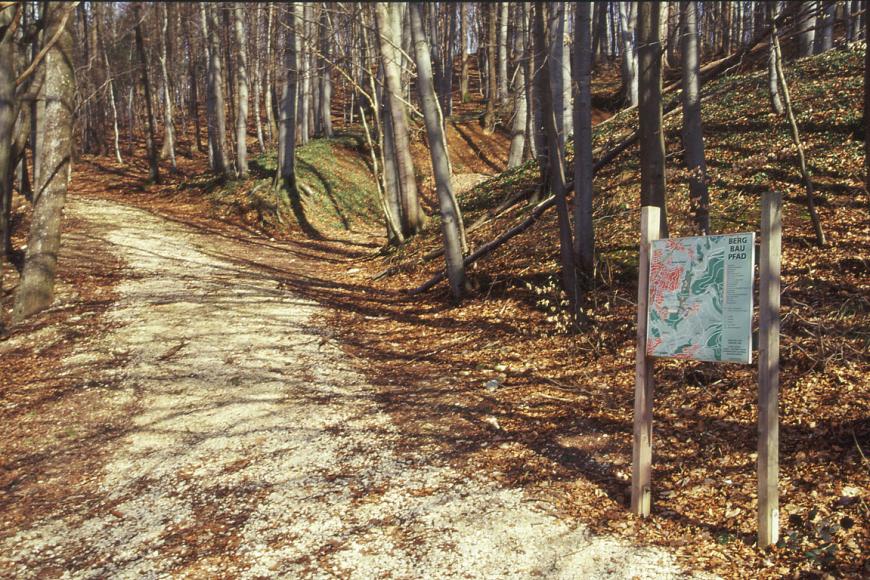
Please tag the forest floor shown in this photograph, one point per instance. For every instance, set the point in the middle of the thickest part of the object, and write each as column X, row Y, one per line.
column 219, row 430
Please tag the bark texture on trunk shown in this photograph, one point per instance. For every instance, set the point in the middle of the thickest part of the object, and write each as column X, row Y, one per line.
column 652, row 137
column 7, row 125
column 807, row 26
column 451, row 219
column 215, row 102
column 556, row 165
column 326, row 41
column 518, row 129
column 504, row 10
column 36, row 288
column 693, row 137
column 795, row 134
column 772, row 78
column 150, row 135
column 168, row 149
column 560, row 72
column 242, row 90
column 584, row 238
column 627, row 29
column 412, row 214
column 287, row 107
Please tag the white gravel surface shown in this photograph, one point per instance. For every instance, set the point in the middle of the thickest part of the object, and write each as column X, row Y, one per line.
column 260, row 452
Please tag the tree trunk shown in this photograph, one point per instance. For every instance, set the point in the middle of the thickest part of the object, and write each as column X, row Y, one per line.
column 150, row 136
column 826, row 42
column 451, row 219
column 855, row 20
column 627, row 29
column 257, row 84
column 492, row 80
column 110, row 81
column 7, row 125
column 866, row 120
column 287, row 108
column 242, row 80
column 772, row 82
column 463, row 52
column 504, row 11
column 693, row 137
column 326, row 75
column 518, row 130
column 807, row 26
column 560, row 73
column 556, row 165
column 268, row 88
column 584, row 237
column 168, row 149
column 215, row 104
column 795, row 135
column 412, row 214
column 652, row 137
column 36, row 289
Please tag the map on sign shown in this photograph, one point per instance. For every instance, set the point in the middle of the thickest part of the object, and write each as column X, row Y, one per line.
column 700, row 298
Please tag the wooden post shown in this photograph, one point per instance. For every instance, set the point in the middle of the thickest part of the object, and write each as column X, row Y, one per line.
column 768, row 369
column 641, row 467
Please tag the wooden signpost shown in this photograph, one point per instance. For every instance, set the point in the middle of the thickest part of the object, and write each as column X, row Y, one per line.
column 736, row 262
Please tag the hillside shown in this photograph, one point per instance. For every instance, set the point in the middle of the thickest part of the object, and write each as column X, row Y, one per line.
column 554, row 411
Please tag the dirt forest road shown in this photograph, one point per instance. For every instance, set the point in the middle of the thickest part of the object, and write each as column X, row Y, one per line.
column 258, row 451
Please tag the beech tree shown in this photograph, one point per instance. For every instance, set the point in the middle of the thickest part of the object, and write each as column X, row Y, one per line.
column 151, row 135
column 242, row 90
column 652, row 137
column 584, row 237
column 693, row 138
column 412, row 215
column 555, row 162
column 36, row 289
column 627, row 27
column 451, row 218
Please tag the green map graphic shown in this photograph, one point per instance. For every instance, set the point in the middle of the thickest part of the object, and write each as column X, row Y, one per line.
column 700, row 298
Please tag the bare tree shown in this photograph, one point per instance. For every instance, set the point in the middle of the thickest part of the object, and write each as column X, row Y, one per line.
column 110, row 81
column 504, row 11
column 168, row 149
column 652, row 137
column 451, row 218
column 36, row 288
column 584, row 237
column 772, row 78
column 326, row 42
column 215, row 103
column 560, row 71
column 807, row 24
column 492, row 79
column 627, row 29
column 242, row 80
column 150, row 139
column 555, row 162
column 693, row 138
column 518, row 130
column 8, row 113
column 795, row 134
column 463, row 51
column 286, row 173
column 412, row 214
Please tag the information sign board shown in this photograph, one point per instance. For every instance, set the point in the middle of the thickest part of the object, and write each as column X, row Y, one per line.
column 700, row 298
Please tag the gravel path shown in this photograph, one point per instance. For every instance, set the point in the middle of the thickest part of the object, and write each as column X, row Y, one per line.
column 260, row 452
